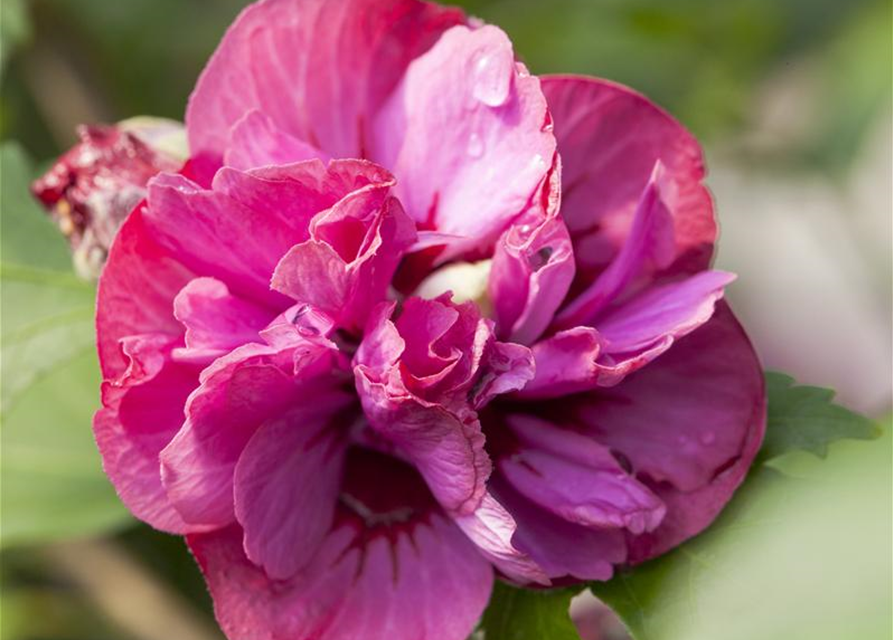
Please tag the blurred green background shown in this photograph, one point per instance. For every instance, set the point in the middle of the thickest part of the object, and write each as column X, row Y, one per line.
column 792, row 99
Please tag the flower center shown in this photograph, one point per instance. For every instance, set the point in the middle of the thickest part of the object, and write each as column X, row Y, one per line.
column 467, row 281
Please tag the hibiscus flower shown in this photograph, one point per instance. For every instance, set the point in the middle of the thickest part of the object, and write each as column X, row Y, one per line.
column 412, row 318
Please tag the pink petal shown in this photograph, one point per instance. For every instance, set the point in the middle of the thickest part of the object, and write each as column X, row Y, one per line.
column 188, row 220
column 141, row 411
column 256, row 141
column 421, row 379
column 317, row 69
column 674, row 309
column 287, row 483
column 313, row 273
column 650, row 244
column 689, row 425
column 610, row 138
column 629, row 336
column 391, row 568
column 532, row 269
column 447, row 449
column 508, row 367
column 562, row 549
column 464, row 118
column 491, row 528
column 576, row 478
column 347, row 266
column 291, row 195
column 216, row 321
column 238, row 393
column 136, row 293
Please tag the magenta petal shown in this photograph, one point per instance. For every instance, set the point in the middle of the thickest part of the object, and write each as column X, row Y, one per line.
column 532, row 270
column 141, row 412
column 136, row 293
column 447, row 449
column 287, row 482
column 576, row 478
column 426, row 581
column 421, row 380
column 689, row 425
column 346, row 267
column 610, row 138
column 313, row 273
column 317, row 69
column 215, row 320
column 289, row 196
column 256, row 141
column 188, row 220
column 650, row 244
column 491, row 527
column 562, row 549
column 674, row 309
column 238, row 393
column 629, row 336
column 466, row 117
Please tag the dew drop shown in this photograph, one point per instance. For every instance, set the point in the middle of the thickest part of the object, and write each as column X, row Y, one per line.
column 492, row 77
column 308, row 331
column 708, row 437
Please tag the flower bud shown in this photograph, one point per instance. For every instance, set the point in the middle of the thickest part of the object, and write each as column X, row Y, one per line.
column 91, row 189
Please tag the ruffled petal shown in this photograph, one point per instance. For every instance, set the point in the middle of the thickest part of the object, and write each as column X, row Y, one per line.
column 532, row 269
column 141, row 411
column 464, row 118
column 187, row 220
column 317, row 69
column 421, row 380
column 291, row 195
column 215, row 320
column 446, row 448
column 346, row 267
column 610, row 138
column 238, row 393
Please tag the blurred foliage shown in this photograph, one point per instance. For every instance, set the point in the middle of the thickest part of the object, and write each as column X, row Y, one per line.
column 794, row 552
column 53, row 485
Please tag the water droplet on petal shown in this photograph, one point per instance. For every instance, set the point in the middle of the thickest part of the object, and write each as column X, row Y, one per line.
column 475, row 146
column 493, row 71
column 708, row 437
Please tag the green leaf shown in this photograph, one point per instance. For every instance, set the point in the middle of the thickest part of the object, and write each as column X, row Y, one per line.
column 523, row 614
column 801, row 552
column 803, row 418
column 52, row 480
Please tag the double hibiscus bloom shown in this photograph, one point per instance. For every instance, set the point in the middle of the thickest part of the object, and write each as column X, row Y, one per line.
column 351, row 450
